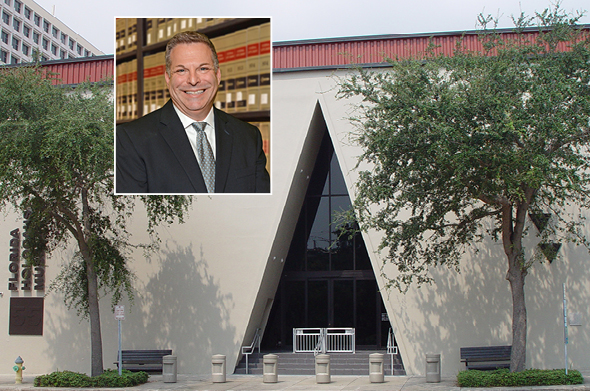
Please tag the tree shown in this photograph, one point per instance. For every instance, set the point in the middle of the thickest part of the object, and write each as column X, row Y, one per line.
column 56, row 162
column 479, row 139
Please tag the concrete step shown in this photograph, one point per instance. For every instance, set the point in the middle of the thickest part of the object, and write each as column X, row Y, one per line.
column 304, row 363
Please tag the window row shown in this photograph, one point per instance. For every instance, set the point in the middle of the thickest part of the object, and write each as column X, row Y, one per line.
column 17, row 44
column 28, row 13
column 47, row 27
column 5, row 55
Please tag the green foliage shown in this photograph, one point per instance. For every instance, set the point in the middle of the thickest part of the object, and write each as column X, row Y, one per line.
column 530, row 377
column 110, row 378
column 462, row 146
column 56, row 162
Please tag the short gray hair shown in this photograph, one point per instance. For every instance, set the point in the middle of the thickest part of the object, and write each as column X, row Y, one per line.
column 188, row 37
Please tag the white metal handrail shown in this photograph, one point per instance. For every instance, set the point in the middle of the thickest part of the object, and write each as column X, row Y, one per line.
column 340, row 340
column 320, row 347
column 391, row 348
column 306, row 339
column 248, row 350
column 314, row 340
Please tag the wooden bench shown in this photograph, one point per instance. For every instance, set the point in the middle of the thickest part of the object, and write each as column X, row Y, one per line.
column 486, row 357
column 142, row 360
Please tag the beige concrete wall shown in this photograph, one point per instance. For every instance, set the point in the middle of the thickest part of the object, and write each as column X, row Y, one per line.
column 209, row 286
column 473, row 308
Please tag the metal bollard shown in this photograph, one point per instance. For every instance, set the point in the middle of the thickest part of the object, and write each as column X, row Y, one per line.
column 218, row 368
column 376, row 368
column 269, row 368
column 433, row 368
column 322, row 368
column 169, row 369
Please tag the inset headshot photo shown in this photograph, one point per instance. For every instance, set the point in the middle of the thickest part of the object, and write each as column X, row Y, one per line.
column 192, row 105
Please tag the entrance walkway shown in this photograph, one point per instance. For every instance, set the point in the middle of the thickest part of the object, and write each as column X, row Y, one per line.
column 293, row 383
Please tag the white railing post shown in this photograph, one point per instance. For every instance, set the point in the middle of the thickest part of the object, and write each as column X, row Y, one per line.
column 248, row 350
column 324, row 340
column 391, row 348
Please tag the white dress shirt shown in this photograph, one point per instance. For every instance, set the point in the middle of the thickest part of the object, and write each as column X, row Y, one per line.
column 192, row 133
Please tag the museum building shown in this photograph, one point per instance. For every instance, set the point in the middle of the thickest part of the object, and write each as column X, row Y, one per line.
column 274, row 265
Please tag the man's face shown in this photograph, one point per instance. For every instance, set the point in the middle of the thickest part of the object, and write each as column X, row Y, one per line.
column 193, row 80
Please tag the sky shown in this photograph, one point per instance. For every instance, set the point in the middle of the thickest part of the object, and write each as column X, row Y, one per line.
column 304, row 19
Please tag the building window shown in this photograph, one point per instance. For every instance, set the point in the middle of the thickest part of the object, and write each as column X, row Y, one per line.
column 54, row 49
column 5, row 37
column 43, row 58
column 45, row 44
column 62, row 54
column 26, row 31
column 4, row 56
column 28, row 13
column 6, row 18
column 17, row 6
column 26, row 49
column 7, row 2
column 14, row 59
column 46, row 25
column 71, row 44
column 86, row 53
column 36, row 37
column 55, row 32
column 15, row 43
column 63, row 38
column 79, row 49
column 16, row 24
column 37, row 20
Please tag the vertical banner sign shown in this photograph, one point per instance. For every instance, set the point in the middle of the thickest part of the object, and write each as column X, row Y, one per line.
column 26, row 313
column 14, row 258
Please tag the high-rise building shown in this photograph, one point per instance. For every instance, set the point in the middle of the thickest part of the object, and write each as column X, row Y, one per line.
column 26, row 29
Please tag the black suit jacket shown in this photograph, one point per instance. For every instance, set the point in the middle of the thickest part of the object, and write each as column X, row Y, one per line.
column 154, row 155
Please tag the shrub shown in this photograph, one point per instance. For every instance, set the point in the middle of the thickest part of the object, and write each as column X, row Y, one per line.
column 110, row 378
column 530, row 377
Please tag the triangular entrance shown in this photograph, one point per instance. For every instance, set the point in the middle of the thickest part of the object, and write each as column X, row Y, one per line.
column 327, row 281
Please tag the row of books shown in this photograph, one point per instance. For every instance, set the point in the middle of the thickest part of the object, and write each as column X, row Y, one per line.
column 157, row 30
column 244, row 60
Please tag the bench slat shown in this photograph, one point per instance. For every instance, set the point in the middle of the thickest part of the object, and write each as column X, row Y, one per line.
column 143, row 360
column 494, row 356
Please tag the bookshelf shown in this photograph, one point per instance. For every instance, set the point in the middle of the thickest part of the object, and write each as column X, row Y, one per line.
column 243, row 48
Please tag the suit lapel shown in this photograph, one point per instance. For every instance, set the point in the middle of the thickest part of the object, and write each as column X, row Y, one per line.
column 224, row 142
column 173, row 133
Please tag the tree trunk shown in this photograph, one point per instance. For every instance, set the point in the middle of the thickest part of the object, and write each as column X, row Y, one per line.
column 97, row 367
column 512, row 233
column 519, row 321
column 94, row 315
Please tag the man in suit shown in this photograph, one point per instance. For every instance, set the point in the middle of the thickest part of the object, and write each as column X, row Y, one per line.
column 189, row 146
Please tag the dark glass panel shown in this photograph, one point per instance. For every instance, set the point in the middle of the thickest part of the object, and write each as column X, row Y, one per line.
column 336, row 178
column 366, row 319
column 294, row 305
column 318, row 243
column 343, row 298
column 362, row 261
column 317, row 302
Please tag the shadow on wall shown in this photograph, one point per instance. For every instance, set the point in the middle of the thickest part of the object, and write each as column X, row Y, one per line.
column 474, row 308
column 67, row 337
column 179, row 307
column 546, row 326
column 468, row 309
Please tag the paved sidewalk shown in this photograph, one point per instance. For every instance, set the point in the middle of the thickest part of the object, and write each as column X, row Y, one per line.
column 294, row 383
